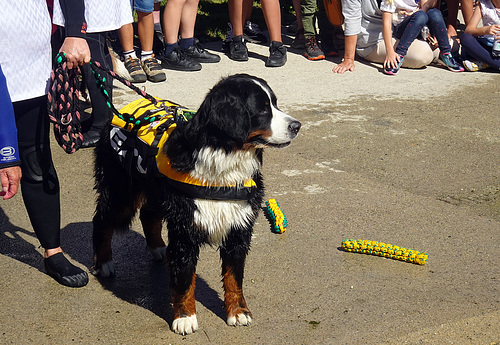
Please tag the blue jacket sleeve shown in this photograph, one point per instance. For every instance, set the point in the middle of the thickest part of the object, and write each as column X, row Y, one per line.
column 9, row 152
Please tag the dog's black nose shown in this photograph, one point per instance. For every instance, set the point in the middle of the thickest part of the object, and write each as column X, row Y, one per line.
column 294, row 127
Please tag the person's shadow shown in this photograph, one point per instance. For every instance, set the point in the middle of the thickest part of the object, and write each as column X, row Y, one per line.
column 139, row 280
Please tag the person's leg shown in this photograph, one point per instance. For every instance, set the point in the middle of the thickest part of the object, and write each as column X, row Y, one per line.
column 131, row 62
column 272, row 15
column 467, row 10
column 40, row 188
column 451, row 22
column 419, row 54
column 188, row 43
column 475, row 50
column 408, row 30
column 326, row 31
column 173, row 57
column 437, row 28
column 308, row 13
column 126, row 34
column 101, row 113
column 236, row 16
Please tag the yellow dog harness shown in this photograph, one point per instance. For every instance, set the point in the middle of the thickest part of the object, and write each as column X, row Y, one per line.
column 139, row 143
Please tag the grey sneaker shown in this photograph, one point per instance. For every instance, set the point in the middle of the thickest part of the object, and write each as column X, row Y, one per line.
column 135, row 70
column 153, row 70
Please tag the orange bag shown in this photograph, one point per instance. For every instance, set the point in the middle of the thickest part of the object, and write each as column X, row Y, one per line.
column 333, row 10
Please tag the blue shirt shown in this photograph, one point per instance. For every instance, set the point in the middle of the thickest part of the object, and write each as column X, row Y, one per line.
column 9, row 152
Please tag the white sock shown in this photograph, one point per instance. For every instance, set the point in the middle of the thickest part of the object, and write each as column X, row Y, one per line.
column 146, row 55
column 130, row 54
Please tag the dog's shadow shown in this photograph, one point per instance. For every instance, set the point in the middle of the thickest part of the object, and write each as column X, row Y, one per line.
column 139, row 280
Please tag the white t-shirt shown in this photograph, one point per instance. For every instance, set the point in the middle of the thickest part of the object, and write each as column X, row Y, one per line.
column 25, row 51
column 490, row 15
column 100, row 15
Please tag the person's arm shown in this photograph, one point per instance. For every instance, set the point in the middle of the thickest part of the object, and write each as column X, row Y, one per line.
column 75, row 46
column 484, row 30
column 347, row 63
column 10, row 172
column 391, row 57
column 351, row 10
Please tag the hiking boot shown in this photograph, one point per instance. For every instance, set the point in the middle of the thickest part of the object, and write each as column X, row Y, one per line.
column 198, row 53
column 135, row 70
column 474, row 65
column 277, row 55
column 253, row 34
column 153, row 70
column 179, row 61
column 446, row 59
column 313, row 52
column 394, row 70
column 237, row 50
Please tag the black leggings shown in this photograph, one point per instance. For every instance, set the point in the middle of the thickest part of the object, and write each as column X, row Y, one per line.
column 99, row 52
column 39, row 183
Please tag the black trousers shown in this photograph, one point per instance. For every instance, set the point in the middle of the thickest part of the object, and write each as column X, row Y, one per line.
column 39, row 182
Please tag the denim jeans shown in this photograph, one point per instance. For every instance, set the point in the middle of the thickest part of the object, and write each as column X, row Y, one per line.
column 409, row 29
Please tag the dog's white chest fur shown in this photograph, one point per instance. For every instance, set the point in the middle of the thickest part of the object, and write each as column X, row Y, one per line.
column 219, row 167
column 218, row 217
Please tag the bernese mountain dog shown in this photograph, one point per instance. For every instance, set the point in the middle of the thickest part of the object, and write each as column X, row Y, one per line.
column 211, row 195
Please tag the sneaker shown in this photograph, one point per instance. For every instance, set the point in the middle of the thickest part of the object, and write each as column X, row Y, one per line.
column 198, row 53
column 299, row 42
column 237, row 49
column 253, row 34
column 135, row 70
column 179, row 61
column 153, row 70
column 313, row 52
column 446, row 59
column 474, row 65
column 392, row 70
column 277, row 55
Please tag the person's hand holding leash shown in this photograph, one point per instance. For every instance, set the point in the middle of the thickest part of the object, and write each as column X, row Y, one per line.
column 77, row 51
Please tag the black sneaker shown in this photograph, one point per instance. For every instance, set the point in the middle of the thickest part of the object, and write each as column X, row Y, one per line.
column 313, row 52
column 277, row 55
column 178, row 60
column 200, row 54
column 253, row 34
column 238, row 49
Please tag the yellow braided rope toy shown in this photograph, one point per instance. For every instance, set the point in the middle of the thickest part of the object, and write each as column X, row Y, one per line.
column 386, row 250
column 276, row 216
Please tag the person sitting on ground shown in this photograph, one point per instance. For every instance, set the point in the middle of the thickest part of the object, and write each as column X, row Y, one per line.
column 363, row 36
column 237, row 49
column 310, row 10
column 408, row 19
column 186, row 54
column 147, row 68
column 477, row 42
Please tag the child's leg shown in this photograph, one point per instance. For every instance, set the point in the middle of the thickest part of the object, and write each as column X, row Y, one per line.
column 437, row 27
column 477, row 51
column 408, row 30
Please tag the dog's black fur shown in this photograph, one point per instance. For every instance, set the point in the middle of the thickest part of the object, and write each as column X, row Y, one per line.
column 236, row 116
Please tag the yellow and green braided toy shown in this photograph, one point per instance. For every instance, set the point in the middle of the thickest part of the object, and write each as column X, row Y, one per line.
column 276, row 216
column 386, row 250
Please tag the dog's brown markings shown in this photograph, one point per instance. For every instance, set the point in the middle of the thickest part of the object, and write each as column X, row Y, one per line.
column 234, row 302
column 152, row 225
column 184, row 304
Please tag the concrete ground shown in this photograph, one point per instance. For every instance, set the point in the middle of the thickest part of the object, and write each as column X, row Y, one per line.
column 412, row 160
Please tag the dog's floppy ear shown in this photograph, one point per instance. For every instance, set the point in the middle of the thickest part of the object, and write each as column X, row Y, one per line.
column 224, row 111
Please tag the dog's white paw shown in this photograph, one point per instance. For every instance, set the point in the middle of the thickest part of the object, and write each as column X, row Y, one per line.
column 107, row 270
column 241, row 319
column 185, row 325
column 159, row 254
